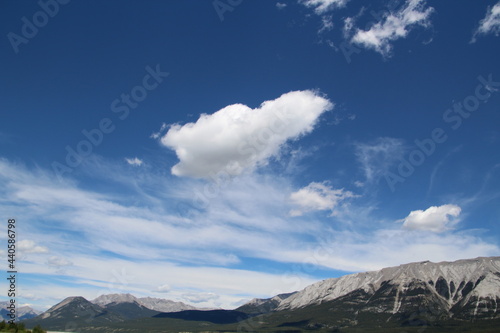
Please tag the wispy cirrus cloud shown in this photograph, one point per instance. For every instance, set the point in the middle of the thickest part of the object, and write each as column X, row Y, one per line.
column 58, row 262
column 92, row 228
column 378, row 156
column 89, row 228
column 388, row 246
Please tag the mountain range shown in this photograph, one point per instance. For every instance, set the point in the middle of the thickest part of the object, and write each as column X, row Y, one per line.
column 438, row 297
column 461, row 288
column 23, row 312
column 156, row 304
column 77, row 311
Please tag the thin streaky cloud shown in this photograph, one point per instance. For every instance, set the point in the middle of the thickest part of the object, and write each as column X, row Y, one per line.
column 438, row 167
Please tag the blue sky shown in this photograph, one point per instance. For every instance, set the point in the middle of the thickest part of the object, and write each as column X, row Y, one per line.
column 215, row 151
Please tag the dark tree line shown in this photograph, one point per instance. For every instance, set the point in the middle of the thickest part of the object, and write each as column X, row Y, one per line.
column 19, row 328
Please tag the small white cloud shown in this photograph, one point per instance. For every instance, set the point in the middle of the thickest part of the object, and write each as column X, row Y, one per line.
column 317, row 196
column 490, row 23
column 238, row 138
column 348, row 26
column 393, row 26
column 280, row 5
column 165, row 288
column 322, row 6
column 58, row 262
column 331, row 44
column 134, row 161
column 157, row 135
column 326, row 23
column 376, row 158
column 435, row 219
column 338, row 117
column 358, row 183
column 29, row 246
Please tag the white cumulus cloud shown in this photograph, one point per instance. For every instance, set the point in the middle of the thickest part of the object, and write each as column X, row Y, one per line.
column 394, row 26
column 435, row 219
column 317, row 196
column 238, row 138
column 490, row 23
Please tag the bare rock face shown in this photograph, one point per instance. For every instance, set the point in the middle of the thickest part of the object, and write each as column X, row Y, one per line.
column 464, row 290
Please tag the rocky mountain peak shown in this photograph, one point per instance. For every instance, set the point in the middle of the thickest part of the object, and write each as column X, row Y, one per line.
column 104, row 300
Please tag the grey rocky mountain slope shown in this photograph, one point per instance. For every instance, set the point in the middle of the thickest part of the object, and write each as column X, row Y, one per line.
column 263, row 305
column 463, row 289
column 23, row 312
